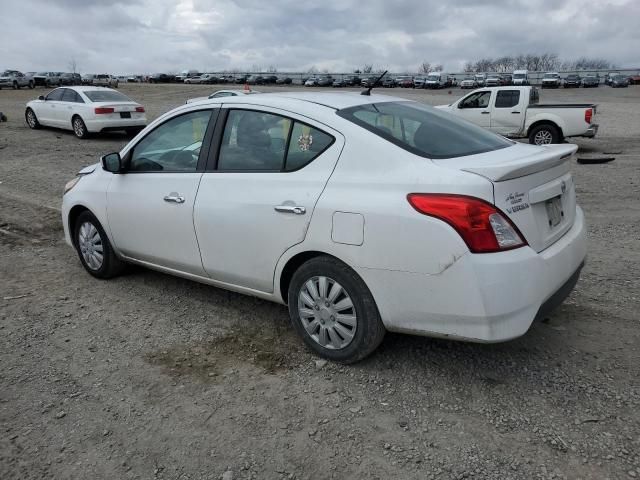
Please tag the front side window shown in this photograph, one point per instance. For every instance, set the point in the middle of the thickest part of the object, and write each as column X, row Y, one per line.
column 423, row 130
column 174, row 146
column 476, row 100
column 507, row 98
column 56, row 95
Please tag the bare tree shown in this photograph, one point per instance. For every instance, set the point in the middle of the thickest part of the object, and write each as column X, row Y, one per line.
column 73, row 65
column 368, row 68
column 425, row 67
column 272, row 69
column 437, row 68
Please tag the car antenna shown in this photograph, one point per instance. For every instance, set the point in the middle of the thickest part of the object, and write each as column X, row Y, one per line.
column 368, row 90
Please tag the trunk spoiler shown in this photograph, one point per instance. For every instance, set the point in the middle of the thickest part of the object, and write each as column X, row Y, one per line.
column 551, row 156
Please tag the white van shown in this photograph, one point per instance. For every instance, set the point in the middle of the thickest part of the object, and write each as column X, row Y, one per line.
column 520, row 77
column 437, row 80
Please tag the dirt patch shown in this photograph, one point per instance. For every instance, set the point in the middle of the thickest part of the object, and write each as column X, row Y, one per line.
column 270, row 351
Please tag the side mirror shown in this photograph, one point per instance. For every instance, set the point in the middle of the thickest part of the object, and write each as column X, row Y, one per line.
column 41, row 97
column 112, row 162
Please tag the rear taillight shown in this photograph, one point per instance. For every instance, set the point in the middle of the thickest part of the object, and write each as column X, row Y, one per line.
column 481, row 225
column 140, row 109
column 102, row 110
column 588, row 115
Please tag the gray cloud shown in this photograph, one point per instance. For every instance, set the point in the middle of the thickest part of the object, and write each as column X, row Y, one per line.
column 170, row 35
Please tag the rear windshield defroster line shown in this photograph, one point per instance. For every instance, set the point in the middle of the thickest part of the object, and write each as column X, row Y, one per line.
column 424, row 130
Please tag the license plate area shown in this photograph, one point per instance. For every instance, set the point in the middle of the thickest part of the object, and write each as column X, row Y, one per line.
column 125, row 114
column 555, row 213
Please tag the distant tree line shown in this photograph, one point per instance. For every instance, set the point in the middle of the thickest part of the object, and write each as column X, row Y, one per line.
column 535, row 62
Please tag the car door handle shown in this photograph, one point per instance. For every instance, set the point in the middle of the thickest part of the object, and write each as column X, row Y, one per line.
column 298, row 210
column 484, row 113
column 515, row 113
column 174, row 198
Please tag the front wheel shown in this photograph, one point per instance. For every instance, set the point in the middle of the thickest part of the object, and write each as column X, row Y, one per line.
column 95, row 251
column 544, row 135
column 16, row 86
column 79, row 128
column 332, row 309
column 31, row 85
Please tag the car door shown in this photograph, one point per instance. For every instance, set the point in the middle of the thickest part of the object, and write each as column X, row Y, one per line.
column 475, row 107
column 150, row 207
column 257, row 199
column 67, row 107
column 48, row 109
column 507, row 115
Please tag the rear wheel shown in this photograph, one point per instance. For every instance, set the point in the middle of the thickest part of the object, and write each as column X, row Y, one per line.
column 16, row 86
column 95, row 251
column 332, row 309
column 79, row 128
column 31, row 85
column 32, row 120
column 544, row 135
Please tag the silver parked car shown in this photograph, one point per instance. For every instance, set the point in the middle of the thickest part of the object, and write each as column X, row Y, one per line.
column 105, row 80
column 15, row 79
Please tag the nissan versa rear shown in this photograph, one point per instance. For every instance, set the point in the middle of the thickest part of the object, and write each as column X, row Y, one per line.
column 363, row 214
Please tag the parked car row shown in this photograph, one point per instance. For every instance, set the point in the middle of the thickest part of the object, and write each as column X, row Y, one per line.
column 16, row 79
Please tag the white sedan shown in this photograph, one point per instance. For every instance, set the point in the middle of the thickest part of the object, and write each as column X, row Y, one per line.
column 223, row 93
column 86, row 110
column 363, row 214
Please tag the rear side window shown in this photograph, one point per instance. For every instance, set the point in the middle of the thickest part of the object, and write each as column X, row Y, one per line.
column 71, row 96
column 260, row 141
column 424, row 130
column 507, row 98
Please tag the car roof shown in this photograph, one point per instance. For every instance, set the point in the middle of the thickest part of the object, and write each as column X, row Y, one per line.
column 87, row 88
column 306, row 101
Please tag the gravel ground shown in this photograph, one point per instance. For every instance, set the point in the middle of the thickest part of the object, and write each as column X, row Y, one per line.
column 150, row 376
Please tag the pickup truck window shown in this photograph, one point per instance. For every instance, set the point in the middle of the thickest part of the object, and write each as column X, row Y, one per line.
column 507, row 98
column 423, row 130
column 476, row 100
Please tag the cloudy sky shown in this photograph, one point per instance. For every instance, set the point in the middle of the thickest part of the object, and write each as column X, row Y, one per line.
column 146, row 36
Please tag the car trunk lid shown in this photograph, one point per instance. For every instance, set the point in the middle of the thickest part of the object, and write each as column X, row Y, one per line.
column 532, row 186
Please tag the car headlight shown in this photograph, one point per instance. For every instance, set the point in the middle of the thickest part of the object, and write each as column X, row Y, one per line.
column 70, row 184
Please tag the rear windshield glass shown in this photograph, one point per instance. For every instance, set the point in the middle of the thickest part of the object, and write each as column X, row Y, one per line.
column 424, row 130
column 106, row 96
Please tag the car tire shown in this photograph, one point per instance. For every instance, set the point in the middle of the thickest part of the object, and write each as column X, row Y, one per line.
column 16, row 86
column 79, row 127
column 31, row 85
column 544, row 134
column 339, row 291
column 31, row 119
column 94, row 249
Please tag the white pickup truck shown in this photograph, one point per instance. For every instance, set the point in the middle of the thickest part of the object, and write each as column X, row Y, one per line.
column 515, row 112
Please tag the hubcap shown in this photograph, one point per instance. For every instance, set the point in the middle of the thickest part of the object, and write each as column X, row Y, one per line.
column 90, row 245
column 543, row 137
column 31, row 119
column 78, row 128
column 327, row 313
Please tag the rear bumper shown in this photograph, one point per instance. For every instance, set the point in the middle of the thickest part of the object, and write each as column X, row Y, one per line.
column 591, row 131
column 105, row 125
column 481, row 298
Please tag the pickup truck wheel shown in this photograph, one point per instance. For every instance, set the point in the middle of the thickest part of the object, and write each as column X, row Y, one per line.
column 544, row 135
column 32, row 120
column 334, row 312
column 16, row 86
column 31, row 85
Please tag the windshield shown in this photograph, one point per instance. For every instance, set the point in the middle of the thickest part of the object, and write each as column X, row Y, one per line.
column 518, row 75
column 424, row 130
column 106, row 96
column 550, row 75
column 433, row 77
